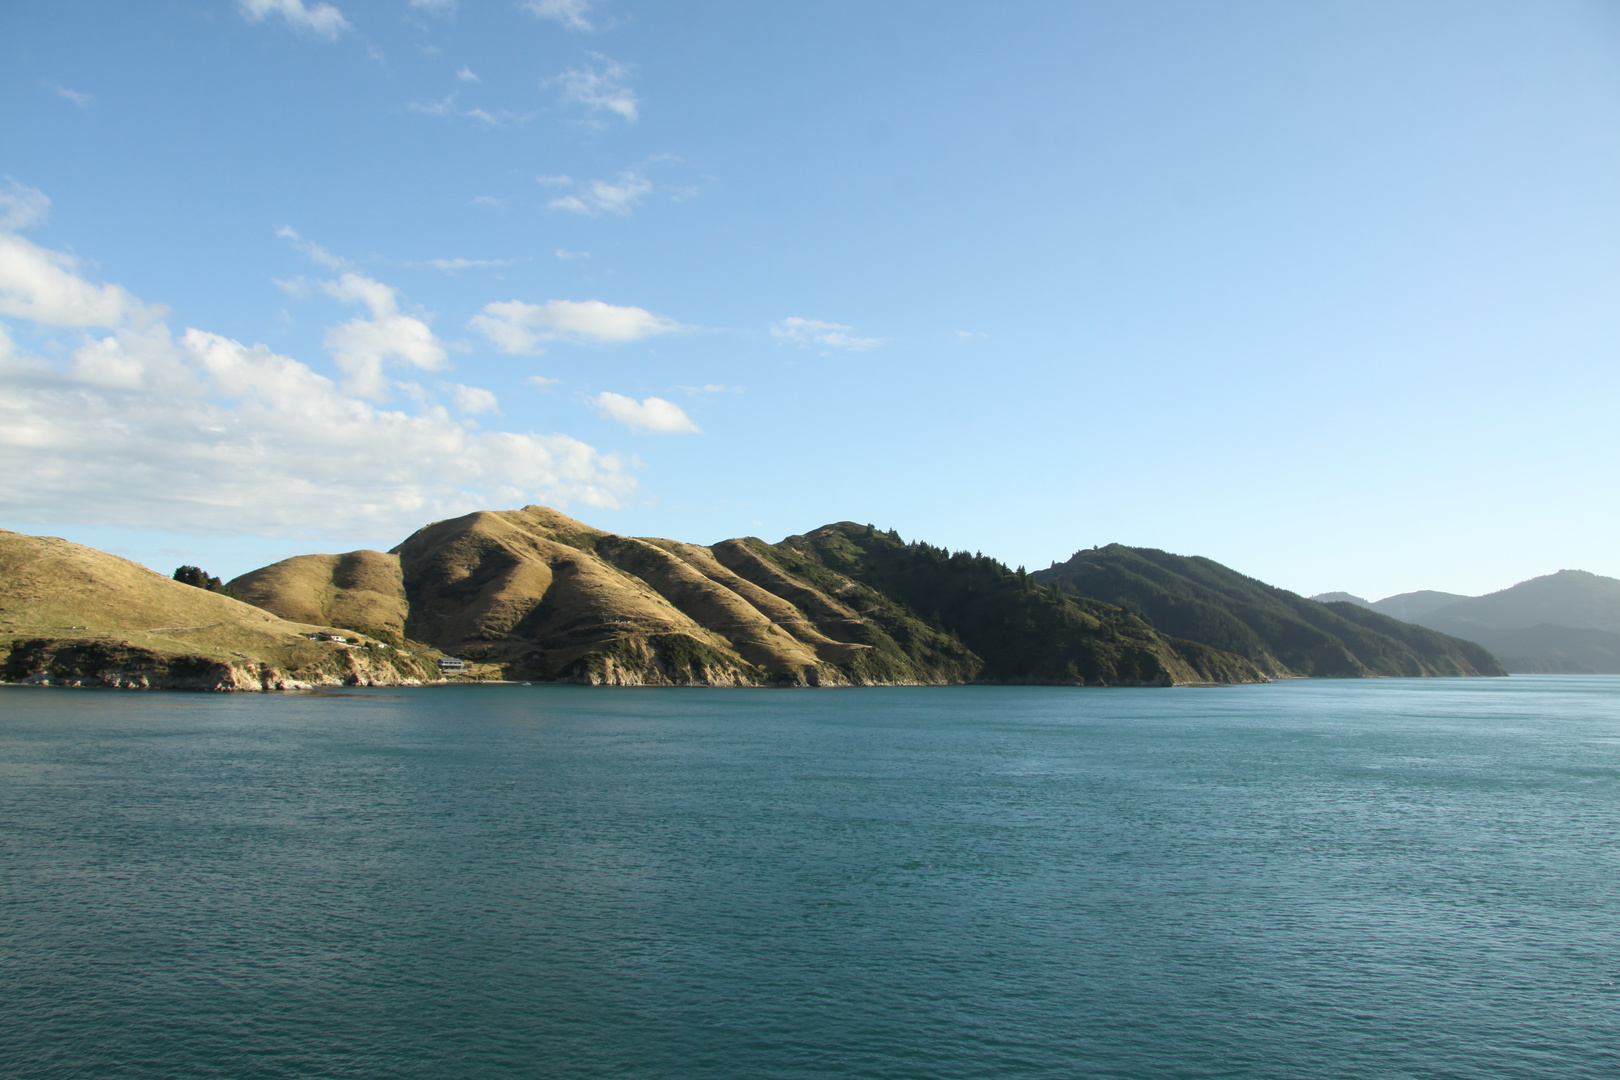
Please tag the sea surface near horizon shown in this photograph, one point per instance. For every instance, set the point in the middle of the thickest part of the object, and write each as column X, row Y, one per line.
column 1383, row 878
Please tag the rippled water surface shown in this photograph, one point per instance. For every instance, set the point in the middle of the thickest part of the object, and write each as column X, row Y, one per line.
column 1332, row 879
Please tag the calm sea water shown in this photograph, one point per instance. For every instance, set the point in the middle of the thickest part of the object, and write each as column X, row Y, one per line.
column 1391, row 878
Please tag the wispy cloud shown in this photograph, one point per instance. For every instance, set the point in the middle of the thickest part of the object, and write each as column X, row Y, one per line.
column 490, row 201
column 83, row 101
column 569, row 256
column 542, row 382
column 465, row 264
column 571, row 13
column 809, row 332
column 312, row 251
column 435, row 7
column 519, row 328
column 466, row 75
column 447, row 106
column 22, row 206
column 592, row 197
column 599, row 88
column 322, row 20
column 652, row 414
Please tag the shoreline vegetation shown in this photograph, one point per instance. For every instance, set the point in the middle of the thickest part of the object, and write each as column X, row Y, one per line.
column 532, row 595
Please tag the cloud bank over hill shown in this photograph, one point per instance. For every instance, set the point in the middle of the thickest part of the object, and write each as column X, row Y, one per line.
column 130, row 424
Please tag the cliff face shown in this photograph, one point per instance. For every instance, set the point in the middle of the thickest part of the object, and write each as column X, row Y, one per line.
column 72, row 615
column 537, row 595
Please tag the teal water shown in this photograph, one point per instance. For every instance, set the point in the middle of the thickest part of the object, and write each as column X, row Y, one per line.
column 1391, row 878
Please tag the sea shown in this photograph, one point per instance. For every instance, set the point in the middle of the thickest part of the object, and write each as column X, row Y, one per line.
column 1336, row 879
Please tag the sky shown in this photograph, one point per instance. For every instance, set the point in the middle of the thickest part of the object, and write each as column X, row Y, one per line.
column 1325, row 292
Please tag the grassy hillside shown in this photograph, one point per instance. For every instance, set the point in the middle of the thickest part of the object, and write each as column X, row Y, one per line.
column 72, row 614
column 538, row 595
column 1280, row 632
column 362, row 590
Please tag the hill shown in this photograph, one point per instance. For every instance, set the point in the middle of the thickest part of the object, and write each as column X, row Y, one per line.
column 1572, row 598
column 1413, row 606
column 362, row 590
column 73, row 615
column 1282, row 633
column 538, row 595
column 1563, row 622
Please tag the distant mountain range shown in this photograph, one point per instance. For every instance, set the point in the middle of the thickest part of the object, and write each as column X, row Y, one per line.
column 1282, row 633
column 1563, row 622
column 533, row 594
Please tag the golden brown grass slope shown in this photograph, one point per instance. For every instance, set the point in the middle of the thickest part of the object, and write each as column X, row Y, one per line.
column 73, row 615
column 361, row 590
column 542, row 596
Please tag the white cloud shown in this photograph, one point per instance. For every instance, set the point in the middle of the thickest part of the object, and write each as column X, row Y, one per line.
column 600, row 89
column 448, row 107
column 807, row 332
column 471, row 400
column 541, row 382
column 516, row 327
column 322, row 20
column 312, row 251
column 433, row 108
column 206, row 434
column 466, row 264
column 361, row 347
column 595, row 197
column 649, row 414
column 45, row 287
column 567, row 256
column 22, row 206
column 560, row 180
column 466, row 75
column 571, row 13
column 83, row 101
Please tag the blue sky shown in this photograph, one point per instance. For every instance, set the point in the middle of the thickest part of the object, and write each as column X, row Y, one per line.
column 1326, row 292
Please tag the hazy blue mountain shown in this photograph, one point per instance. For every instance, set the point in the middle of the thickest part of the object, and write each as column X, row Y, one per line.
column 1552, row 649
column 1563, row 622
column 1568, row 598
column 1412, row 606
column 1283, row 633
